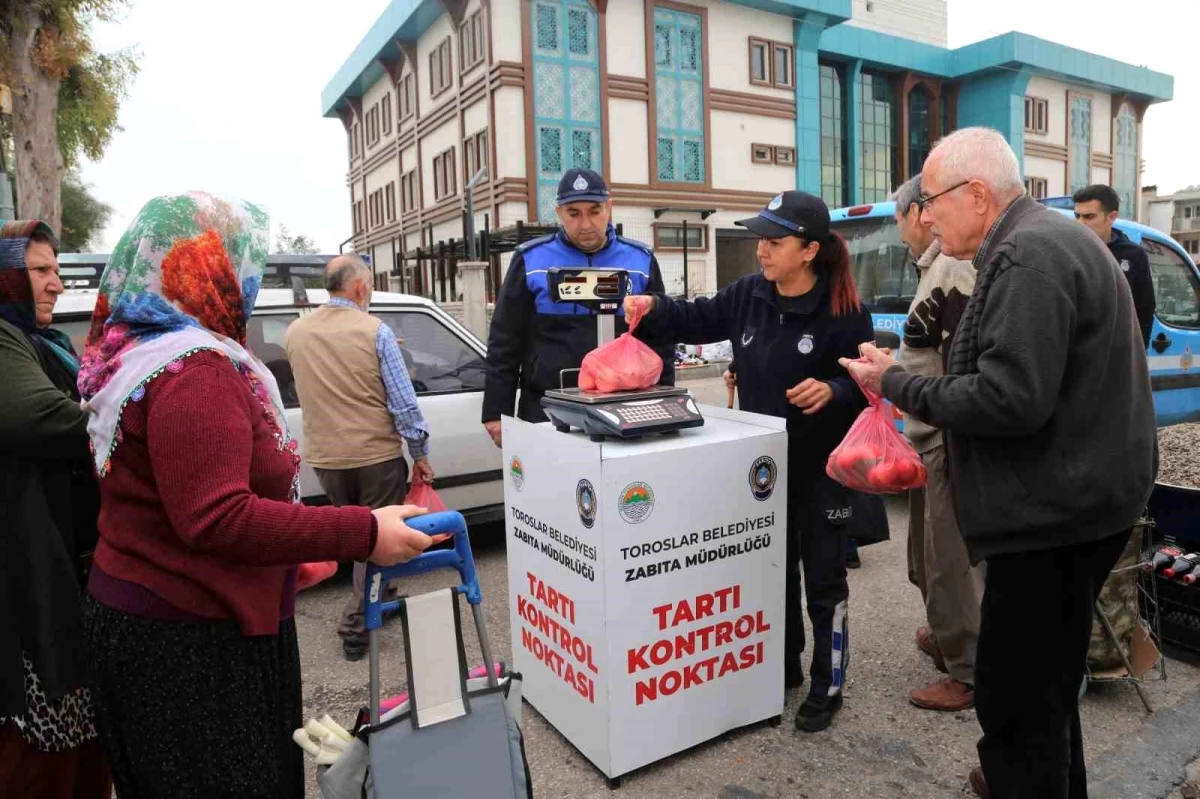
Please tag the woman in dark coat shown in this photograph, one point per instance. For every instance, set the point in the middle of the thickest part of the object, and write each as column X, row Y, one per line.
column 48, row 507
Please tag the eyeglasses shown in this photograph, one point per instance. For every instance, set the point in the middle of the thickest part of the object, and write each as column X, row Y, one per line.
column 924, row 202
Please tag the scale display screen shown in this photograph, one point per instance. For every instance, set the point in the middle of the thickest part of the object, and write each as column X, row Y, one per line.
column 588, row 285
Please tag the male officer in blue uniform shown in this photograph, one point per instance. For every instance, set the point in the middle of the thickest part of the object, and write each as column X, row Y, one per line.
column 533, row 337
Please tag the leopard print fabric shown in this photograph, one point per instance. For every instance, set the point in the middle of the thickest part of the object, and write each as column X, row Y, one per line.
column 55, row 726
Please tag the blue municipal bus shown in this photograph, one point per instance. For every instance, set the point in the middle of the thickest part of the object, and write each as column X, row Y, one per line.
column 887, row 283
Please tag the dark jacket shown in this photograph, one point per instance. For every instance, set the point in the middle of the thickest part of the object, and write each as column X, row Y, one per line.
column 1046, row 406
column 1136, row 266
column 533, row 338
column 774, row 350
column 48, row 506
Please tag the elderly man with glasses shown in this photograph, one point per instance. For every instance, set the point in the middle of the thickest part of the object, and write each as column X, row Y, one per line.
column 1050, row 431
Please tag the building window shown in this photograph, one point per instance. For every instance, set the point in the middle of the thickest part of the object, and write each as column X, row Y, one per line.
column 762, row 154
column 1125, row 159
column 1037, row 115
column 475, row 156
column 405, row 95
column 408, row 192
column 389, row 198
column 385, row 109
column 439, row 68
column 670, row 236
column 833, row 137
column 1079, row 153
column 760, row 62
column 772, row 64
column 783, row 62
column 920, row 121
column 945, row 127
column 373, row 126
column 679, row 93
column 444, row 184
column 355, row 138
column 358, row 217
column 785, row 156
column 470, row 42
column 1036, row 187
column 566, row 94
column 876, row 138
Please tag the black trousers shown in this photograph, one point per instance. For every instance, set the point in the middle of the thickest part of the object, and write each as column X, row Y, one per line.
column 375, row 486
column 818, row 511
column 1030, row 662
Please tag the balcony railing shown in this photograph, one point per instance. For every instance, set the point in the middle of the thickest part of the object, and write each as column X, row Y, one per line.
column 1180, row 223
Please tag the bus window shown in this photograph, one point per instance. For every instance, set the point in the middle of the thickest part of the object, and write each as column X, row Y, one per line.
column 883, row 268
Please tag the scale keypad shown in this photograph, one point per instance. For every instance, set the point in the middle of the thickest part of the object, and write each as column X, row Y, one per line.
column 653, row 411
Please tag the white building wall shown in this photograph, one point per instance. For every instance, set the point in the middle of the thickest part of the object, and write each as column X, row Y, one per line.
column 729, row 30
column 922, row 20
column 475, row 117
column 630, row 161
column 408, row 159
column 510, row 133
column 626, row 25
column 1053, row 171
column 506, row 30
column 732, row 136
column 1159, row 215
column 1101, row 120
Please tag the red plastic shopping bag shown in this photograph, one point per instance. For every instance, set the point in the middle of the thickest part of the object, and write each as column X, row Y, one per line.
column 309, row 574
column 875, row 457
column 624, row 364
column 422, row 495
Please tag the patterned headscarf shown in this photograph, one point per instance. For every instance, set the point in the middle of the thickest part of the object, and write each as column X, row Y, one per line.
column 183, row 278
column 16, row 295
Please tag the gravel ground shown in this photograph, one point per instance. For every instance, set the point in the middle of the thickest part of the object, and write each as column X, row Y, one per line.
column 879, row 745
column 1179, row 455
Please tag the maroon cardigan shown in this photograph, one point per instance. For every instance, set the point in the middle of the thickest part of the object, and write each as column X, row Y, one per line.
column 194, row 515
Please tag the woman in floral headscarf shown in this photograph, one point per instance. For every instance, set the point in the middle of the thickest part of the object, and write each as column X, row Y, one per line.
column 189, row 619
column 48, row 500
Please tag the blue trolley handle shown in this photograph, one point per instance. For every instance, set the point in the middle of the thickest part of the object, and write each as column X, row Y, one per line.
column 459, row 558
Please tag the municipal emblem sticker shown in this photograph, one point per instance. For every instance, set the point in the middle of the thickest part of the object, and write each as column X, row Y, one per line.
column 805, row 344
column 1185, row 360
column 517, row 472
column 580, row 183
column 1124, row 265
column 585, row 503
column 763, row 474
column 635, row 503
column 775, row 203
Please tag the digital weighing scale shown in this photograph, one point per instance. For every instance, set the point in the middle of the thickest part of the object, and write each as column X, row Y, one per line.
column 618, row 414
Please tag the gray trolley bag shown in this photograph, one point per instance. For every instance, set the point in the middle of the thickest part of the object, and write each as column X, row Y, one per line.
column 453, row 737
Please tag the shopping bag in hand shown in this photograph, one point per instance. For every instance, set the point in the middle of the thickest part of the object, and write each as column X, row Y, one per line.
column 875, row 457
column 624, row 364
column 422, row 495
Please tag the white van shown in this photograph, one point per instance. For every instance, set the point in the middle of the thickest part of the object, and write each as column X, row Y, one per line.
column 445, row 361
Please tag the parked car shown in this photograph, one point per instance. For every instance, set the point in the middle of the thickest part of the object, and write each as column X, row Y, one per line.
column 887, row 283
column 445, row 361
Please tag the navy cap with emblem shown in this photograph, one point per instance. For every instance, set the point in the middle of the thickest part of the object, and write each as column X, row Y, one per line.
column 791, row 213
column 582, row 186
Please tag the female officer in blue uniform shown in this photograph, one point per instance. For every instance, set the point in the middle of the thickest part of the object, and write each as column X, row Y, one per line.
column 789, row 325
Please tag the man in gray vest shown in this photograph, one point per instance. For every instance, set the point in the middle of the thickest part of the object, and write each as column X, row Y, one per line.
column 360, row 410
column 937, row 557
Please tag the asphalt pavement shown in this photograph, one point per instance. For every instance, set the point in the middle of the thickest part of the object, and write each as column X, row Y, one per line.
column 878, row 746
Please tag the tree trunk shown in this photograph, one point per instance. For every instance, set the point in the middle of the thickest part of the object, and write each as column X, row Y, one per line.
column 38, row 161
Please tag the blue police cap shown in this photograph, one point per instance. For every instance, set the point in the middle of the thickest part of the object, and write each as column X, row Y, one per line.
column 582, row 186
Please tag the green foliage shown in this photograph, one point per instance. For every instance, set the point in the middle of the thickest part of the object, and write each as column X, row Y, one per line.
column 89, row 99
column 300, row 245
column 83, row 216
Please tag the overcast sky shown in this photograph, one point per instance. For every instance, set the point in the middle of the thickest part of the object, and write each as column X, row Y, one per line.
column 228, row 98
